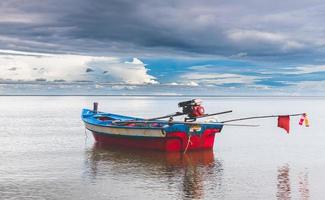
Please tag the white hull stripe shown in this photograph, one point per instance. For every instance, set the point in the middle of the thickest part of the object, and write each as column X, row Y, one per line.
column 126, row 132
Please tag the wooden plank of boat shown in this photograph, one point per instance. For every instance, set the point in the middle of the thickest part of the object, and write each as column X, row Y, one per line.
column 127, row 131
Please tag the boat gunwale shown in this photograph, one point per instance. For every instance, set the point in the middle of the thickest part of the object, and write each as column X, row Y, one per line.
column 90, row 119
column 124, row 127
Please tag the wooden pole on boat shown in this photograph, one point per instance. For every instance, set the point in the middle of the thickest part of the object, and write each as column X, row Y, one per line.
column 166, row 116
column 258, row 117
column 213, row 114
column 179, row 122
column 180, row 113
column 95, row 108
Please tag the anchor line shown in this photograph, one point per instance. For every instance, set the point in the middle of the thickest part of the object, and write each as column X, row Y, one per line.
column 188, row 143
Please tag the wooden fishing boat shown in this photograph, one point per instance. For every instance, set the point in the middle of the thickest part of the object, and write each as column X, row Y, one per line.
column 165, row 135
column 155, row 134
column 149, row 135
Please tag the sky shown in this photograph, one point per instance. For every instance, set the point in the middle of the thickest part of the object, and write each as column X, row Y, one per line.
column 208, row 47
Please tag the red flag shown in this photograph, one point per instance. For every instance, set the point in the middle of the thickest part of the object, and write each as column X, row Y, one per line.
column 302, row 119
column 284, row 122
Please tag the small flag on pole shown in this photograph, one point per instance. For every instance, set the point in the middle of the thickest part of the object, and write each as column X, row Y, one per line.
column 284, row 122
column 306, row 120
column 302, row 119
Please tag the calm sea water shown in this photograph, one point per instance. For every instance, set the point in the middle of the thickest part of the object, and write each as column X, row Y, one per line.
column 46, row 154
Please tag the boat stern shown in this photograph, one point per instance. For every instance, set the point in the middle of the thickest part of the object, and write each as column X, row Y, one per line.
column 196, row 137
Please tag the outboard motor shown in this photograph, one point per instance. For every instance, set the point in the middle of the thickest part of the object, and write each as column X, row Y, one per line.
column 192, row 109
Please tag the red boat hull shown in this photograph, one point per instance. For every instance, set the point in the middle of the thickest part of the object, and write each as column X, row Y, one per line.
column 174, row 141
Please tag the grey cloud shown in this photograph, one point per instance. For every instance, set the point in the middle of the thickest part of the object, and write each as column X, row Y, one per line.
column 269, row 30
column 89, row 70
column 59, row 80
column 40, row 79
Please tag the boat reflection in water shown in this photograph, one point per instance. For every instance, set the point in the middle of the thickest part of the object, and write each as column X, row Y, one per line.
column 188, row 175
column 284, row 188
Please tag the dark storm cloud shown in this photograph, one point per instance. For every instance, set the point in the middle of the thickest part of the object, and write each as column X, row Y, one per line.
column 256, row 29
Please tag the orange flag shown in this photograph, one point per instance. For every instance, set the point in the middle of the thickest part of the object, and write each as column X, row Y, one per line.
column 284, row 122
column 306, row 121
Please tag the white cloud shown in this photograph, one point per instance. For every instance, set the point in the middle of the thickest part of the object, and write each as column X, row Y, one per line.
column 172, row 83
column 183, row 83
column 133, row 72
column 13, row 41
column 123, row 87
column 201, row 67
column 191, row 83
column 307, row 87
column 256, row 37
column 307, row 69
column 20, row 18
column 219, row 79
column 239, row 55
column 16, row 65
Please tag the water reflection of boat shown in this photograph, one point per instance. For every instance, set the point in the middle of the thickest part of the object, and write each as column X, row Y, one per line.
column 175, row 170
column 284, row 188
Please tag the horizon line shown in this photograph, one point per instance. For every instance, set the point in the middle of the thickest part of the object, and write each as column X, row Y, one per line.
column 159, row 95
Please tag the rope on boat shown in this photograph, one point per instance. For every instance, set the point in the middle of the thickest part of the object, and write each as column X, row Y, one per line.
column 188, row 143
